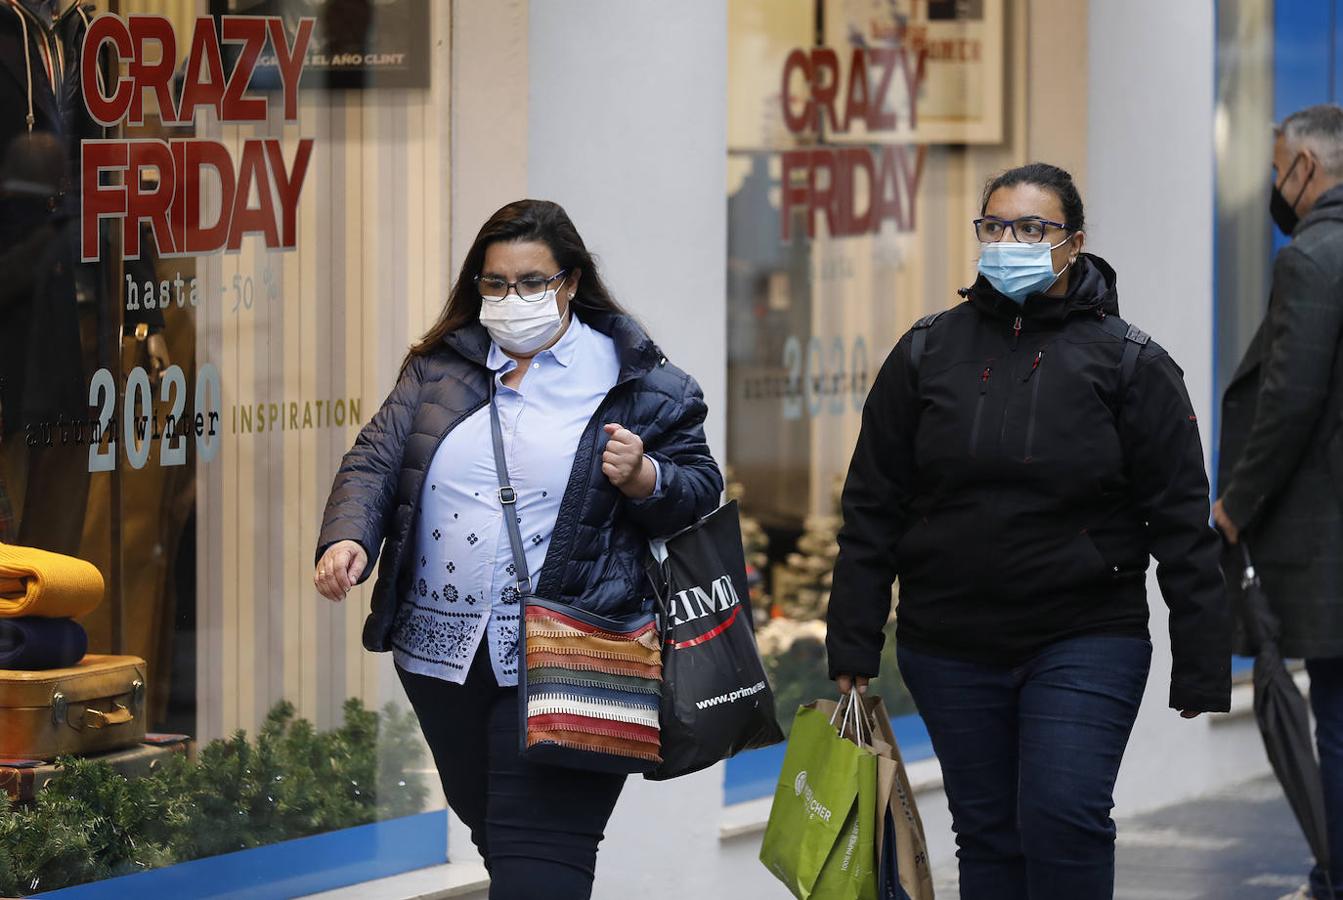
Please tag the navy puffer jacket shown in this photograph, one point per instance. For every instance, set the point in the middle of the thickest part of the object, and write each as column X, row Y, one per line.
column 595, row 560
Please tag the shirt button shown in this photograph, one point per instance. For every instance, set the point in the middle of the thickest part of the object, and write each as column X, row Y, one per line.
column 536, row 365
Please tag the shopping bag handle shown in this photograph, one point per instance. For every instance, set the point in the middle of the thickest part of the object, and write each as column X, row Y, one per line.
column 855, row 716
column 657, row 575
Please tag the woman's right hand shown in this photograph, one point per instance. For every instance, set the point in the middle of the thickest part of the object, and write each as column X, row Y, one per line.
column 845, row 683
column 339, row 569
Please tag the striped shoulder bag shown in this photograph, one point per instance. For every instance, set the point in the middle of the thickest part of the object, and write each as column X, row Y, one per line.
column 589, row 686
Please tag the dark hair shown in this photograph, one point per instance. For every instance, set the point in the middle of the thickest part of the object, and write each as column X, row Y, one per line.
column 522, row 220
column 1051, row 178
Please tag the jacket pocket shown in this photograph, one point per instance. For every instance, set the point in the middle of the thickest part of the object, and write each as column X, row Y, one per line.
column 979, row 408
column 1120, row 564
column 1035, row 375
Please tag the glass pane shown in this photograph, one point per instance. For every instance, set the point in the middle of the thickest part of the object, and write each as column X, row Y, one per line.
column 191, row 371
column 838, row 212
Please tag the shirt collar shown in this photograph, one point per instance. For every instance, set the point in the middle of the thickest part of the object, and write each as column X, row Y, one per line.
column 562, row 352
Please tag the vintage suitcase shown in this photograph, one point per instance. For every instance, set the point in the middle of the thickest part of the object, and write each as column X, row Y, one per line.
column 21, row 779
column 94, row 707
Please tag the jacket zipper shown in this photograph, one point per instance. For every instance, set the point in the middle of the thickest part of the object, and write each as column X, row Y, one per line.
column 1035, row 397
column 979, row 407
column 1016, row 332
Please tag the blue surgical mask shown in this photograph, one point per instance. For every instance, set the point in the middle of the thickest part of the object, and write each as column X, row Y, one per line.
column 1018, row 270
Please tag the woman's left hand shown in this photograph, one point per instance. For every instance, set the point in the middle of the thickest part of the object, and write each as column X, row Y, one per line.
column 624, row 463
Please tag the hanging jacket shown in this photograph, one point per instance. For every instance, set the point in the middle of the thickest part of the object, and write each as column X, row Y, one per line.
column 597, row 548
column 44, row 373
column 1017, row 491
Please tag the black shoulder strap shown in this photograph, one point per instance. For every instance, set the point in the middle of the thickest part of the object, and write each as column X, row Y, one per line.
column 920, row 338
column 1134, row 340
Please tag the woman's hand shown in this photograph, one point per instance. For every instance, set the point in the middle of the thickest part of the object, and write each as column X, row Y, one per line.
column 624, row 463
column 845, row 683
column 1224, row 523
column 339, row 569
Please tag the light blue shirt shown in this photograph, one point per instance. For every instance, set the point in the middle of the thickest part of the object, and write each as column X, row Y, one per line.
column 465, row 584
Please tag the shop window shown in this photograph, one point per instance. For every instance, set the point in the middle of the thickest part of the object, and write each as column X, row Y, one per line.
column 859, row 136
column 217, row 232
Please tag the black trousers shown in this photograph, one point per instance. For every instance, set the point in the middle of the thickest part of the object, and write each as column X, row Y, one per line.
column 536, row 826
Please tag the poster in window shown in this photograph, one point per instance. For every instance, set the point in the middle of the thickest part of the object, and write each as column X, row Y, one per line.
column 354, row 44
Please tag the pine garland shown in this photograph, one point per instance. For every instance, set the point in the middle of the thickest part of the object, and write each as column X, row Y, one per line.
column 90, row 823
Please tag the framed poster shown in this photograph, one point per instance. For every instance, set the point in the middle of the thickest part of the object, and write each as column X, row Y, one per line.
column 370, row 44
column 935, row 69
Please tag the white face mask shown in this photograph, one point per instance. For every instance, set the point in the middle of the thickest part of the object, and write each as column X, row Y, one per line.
column 521, row 327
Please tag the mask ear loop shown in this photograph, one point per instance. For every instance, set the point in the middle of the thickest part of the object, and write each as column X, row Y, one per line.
column 1066, row 266
column 1304, row 184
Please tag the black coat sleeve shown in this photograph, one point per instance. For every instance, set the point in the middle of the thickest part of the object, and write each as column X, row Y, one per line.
column 1169, row 486
column 1304, row 323
column 365, row 484
column 691, row 483
column 875, row 504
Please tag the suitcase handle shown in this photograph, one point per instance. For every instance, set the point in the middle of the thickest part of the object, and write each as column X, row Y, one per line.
column 96, row 718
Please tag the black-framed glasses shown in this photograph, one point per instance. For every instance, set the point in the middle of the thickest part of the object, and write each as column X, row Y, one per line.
column 1026, row 230
column 529, row 290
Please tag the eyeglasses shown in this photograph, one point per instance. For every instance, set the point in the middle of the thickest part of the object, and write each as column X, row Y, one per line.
column 1026, row 230
column 529, row 290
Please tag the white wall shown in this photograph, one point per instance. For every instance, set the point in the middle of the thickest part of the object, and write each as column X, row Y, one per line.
column 627, row 129
column 1150, row 204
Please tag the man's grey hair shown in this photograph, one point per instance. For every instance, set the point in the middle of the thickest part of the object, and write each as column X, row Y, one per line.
column 1319, row 128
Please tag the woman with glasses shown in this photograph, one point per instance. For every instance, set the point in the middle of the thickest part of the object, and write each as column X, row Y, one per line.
column 1021, row 457
column 605, row 448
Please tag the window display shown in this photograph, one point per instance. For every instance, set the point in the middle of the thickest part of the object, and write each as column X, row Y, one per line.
column 860, row 134
column 201, row 228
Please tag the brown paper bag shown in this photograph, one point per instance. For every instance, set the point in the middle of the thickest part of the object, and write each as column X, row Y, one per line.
column 894, row 793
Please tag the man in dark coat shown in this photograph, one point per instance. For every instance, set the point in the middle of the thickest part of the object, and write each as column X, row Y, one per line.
column 1281, row 466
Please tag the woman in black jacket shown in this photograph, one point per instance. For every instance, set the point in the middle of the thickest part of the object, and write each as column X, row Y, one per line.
column 1021, row 456
column 605, row 447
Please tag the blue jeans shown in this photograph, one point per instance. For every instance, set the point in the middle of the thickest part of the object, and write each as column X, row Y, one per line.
column 1029, row 759
column 1326, row 701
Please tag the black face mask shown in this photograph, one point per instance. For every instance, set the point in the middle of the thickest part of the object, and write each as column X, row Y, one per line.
column 1284, row 213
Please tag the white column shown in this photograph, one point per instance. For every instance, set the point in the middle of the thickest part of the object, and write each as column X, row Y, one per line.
column 1150, row 202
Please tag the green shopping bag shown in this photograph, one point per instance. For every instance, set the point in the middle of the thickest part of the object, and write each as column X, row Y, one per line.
column 820, row 840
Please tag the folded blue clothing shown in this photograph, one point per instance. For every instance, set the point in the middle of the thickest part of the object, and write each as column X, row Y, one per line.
column 31, row 642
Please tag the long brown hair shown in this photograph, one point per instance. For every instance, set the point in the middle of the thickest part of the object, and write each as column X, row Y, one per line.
column 522, row 220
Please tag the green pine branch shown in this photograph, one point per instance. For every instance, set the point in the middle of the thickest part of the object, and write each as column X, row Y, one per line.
column 91, row 823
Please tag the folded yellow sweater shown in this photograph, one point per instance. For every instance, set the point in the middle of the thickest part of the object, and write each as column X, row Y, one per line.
column 37, row 583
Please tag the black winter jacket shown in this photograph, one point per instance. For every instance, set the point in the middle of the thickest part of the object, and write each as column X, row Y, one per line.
column 1017, row 492
column 595, row 559
column 1281, row 463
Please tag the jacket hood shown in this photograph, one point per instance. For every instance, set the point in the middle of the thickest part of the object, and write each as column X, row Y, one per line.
column 636, row 351
column 1092, row 290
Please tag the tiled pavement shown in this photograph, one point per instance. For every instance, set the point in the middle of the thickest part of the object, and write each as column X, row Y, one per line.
column 1239, row 844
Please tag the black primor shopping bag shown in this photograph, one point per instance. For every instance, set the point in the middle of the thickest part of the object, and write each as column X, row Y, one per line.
column 716, row 700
